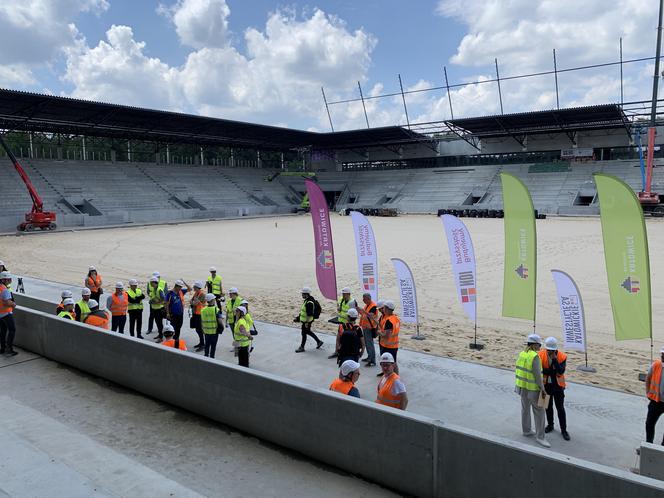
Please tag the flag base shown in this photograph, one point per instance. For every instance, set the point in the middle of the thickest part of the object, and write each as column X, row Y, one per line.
column 642, row 377
column 584, row 368
column 418, row 337
column 476, row 345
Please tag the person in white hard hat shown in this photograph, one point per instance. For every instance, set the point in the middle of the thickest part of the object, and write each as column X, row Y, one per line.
column 174, row 305
column 3, row 268
column 65, row 294
column 388, row 333
column 306, row 318
column 81, row 309
column 213, row 285
column 233, row 301
column 369, row 325
column 349, row 373
column 197, row 304
column 68, row 311
column 343, row 305
column 242, row 336
column 350, row 339
column 391, row 391
column 118, row 305
column 170, row 341
column 529, row 386
column 7, row 324
column 97, row 317
column 94, row 282
column 212, row 323
column 162, row 285
column 135, row 308
column 554, row 363
column 157, row 298
column 655, row 395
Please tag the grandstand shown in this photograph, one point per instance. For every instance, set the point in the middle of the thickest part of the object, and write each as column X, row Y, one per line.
column 141, row 165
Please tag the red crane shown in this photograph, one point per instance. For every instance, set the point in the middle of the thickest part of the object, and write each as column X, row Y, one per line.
column 37, row 217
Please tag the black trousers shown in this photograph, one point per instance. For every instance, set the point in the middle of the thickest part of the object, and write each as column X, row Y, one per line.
column 95, row 296
column 176, row 321
column 158, row 317
column 655, row 410
column 211, row 344
column 135, row 322
column 7, row 333
column 392, row 351
column 196, row 324
column 306, row 331
column 118, row 323
column 243, row 356
column 557, row 397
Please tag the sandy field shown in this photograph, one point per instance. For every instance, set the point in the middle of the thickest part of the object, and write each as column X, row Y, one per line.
column 269, row 259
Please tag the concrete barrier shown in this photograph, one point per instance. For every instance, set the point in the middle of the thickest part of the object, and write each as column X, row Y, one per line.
column 400, row 450
column 651, row 461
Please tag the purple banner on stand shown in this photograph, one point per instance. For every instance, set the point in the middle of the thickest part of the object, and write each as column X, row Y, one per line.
column 320, row 216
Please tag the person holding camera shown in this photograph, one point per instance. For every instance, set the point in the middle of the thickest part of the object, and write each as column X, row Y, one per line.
column 306, row 319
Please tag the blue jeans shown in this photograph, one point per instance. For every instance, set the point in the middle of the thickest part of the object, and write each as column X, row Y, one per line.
column 369, row 345
column 211, row 344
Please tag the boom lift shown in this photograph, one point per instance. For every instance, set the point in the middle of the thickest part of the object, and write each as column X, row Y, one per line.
column 37, row 217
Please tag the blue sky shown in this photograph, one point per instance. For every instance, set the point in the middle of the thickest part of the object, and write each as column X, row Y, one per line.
column 264, row 61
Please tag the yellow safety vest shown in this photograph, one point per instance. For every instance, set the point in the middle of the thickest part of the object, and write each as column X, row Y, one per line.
column 342, row 307
column 209, row 319
column 242, row 339
column 215, row 284
column 525, row 378
column 304, row 318
column 134, row 294
column 153, row 292
column 85, row 309
column 231, row 304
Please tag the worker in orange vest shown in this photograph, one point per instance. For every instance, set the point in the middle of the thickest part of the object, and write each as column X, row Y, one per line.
column 655, row 393
column 197, row 303
column 7, row 324
column 554, row 363
column 169, row 341
column 391, row 390
column 369, row 324
column 94, row 282
column 348, row 375
column 65, row 294
column 96, row 317
column 118, row 304
column 388, row 333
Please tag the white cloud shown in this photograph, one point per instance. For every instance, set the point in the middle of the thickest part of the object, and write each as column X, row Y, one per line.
column 199, row 23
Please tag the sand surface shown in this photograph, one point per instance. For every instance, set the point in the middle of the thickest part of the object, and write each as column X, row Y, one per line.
column 269, row 259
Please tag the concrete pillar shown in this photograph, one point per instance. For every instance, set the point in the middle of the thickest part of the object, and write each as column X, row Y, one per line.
column 59, row 153
column 282, row 161
column 202, row 156
column 128, row 150
column 31, row 152
column 113, row 155
column 84, row 148
column 232, row 165
column 168, row 154
column 157, row 156
column 258, row 159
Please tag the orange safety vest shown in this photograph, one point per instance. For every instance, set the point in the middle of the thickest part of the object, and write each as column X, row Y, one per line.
column 119, row 306
column 544, row 358
column 385, row 396
column 198, row 307
column 341, row 386
column 93, row 285
column 4, row 308
column 655, row 379
column 171, row 344
column 365, row 323
column 391, row 341
column 98, row 319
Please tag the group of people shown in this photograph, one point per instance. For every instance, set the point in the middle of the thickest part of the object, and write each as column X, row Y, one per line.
column 210, row 312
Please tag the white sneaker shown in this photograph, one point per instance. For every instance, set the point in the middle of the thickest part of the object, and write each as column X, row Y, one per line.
column 529, row 434
column 543, row 442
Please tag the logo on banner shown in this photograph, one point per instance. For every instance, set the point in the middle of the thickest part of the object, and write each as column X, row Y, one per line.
column 631, row 285
column 325, row 259
column 522, row 271
column 368, row 279
column 467, row 287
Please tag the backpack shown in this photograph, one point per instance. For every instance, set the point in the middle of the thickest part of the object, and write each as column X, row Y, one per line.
column 317, row 308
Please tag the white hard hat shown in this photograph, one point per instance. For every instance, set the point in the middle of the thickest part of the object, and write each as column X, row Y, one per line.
column 232, row 290
column 386, row 358
column 93, row 304
column 345, row 290
column 86, row 292
column 133, row 281
column 352, row 313
column 243, row 302
column 65, row 293
column 179, row 283
column 68, row 301
column 156, row 274
column 119, row 285
column 242, row 310
column 154, row 279
column 534, row 339
column 306, row 290
column 198, row 284
column 380, row 304
column 168, row 327
column 92, row 268
column 212, row 268
column 210, row 297
column 551, row 343
column 390, row 305
column 349, row 366
column 2, row 263
column 5, row 274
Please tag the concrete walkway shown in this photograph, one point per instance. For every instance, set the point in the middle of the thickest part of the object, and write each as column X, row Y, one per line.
column 606, row 426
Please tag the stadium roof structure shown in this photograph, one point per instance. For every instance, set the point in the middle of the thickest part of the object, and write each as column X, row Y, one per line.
column 26, row 111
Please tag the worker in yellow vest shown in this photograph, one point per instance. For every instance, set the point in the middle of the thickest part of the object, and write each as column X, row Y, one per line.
column 529, row 385
column 349, row 373
column 118, row 305
column 135, row 308
column 391, row 391
column 163, row 285
column 97, row 317
column 157, row 299
column 68, row 311
column 197, row 303
column 233, row 301
column 655, row 393
column 65, row 294
column 82, row 308
column 554, row 363
column 212, row 322
column 242, row 336
column 213, row 285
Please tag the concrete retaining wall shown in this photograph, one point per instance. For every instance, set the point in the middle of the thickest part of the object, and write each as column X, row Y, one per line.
column 400, row 450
